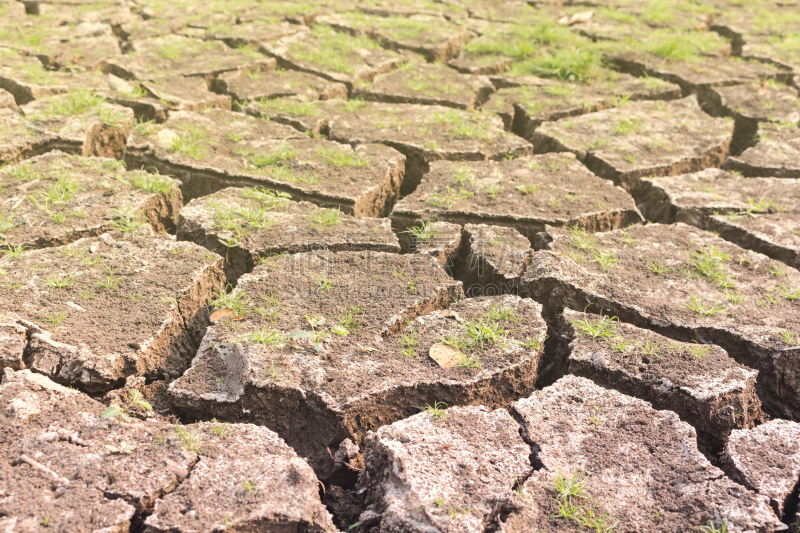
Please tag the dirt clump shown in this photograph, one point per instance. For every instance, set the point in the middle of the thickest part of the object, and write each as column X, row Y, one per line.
column 493, row 259
column 55, row 199
column 775, row 153
column 151, row 287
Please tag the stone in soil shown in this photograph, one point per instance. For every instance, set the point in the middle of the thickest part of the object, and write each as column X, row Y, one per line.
column 54, row 199
column 776, row 153
column 692, row 198
column 776, row 235
column 68, row 467
column 423, row 133
column 687, row 284
column 433, row 37
column 81, row 122
column 268, row 83
column 176, row 55
column 150, row 288
column 524, row 193
column 417, row 82
column 493, row 260
column 766, row 459
column 215, row 149
column 334, row 56
column 451, row 467
column 700, row 383
column 751, row 103
column 259, row 224
column 334, row 345
column 639, row 468
column 527, row 102
column 640, row 139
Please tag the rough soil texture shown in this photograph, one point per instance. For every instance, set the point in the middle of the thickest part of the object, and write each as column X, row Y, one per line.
column 55, row 199
column 766, row 459
column 493, row 260
column 59, row 469
column 441, row 473
column 687, row 284
column 700, row 383
column 19, row 142
column 693, row 198
column 271, row 82
column 441, row 240
column 640, row 139
column 212, row 150
column 639, row 467
column 775, row 153
column 260, row 224
column 153, row 287
column 525, row 193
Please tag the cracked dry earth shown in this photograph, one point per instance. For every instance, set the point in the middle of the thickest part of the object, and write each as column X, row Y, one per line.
column 417, row 266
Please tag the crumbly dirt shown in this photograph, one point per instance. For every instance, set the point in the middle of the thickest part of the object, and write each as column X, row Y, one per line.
column 776, row 153
column 152, row 287
column 417, row 82
column 765, row 459
column 692, row 198
column 700, row 383
column 55, row 199
column 212, row 150
column 17, row 141
column 441, row 473
column 175, row 478
column 252, row 32
column 441, row 240
column 640, row 467
column 525, row 193
column 259, row 225
column 687, row 284
column 493, row 259
column 640, row 139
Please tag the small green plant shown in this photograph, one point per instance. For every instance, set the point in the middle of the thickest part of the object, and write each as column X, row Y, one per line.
column 137, row 398
column 438, row 411
column 447, row 200
column 708, row 263
column 581, row 239
column 777, row 270
column 152, row 183
column 248, row 488
column 790, row 338
column 485, row 332
column 264, row 336
column 409, row 342
column 618, row 344
column 696, row 305
column 699, row 351
column 603, row 327
column 502, row 313
column 46, row 521
column 127, row 222
column 282, row 153
column 342, row 158
column 712, row 527
column 412, row 285
column 649, row 348
column 233, row 301
column 657, row 267
column 576, row 504
column 626, row 126
column 57, row 319
column 734, row 297
column 528, row 189
column 606, row 260
column 324, row 218
column 122, row 448
column 115, row 411
column 423, row 232
column 188, row 438
column 493, row 190
column 324, row 284
column 349, row 318
column 14, row 251
column 59, row 282
column 468, row 361
column 110, row 281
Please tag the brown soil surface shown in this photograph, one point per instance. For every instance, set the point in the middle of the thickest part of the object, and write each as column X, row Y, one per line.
column 55, row 199
column 63, row 469
column 259, row 224
column 640, row 139
column 493, row 260
column 687, row 284
column 524, row 193
column 19, row 142
column 153, row 288
column 271, row 82
column 774, row 235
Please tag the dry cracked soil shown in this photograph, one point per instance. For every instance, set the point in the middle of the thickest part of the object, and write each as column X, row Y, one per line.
column 449, row 266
